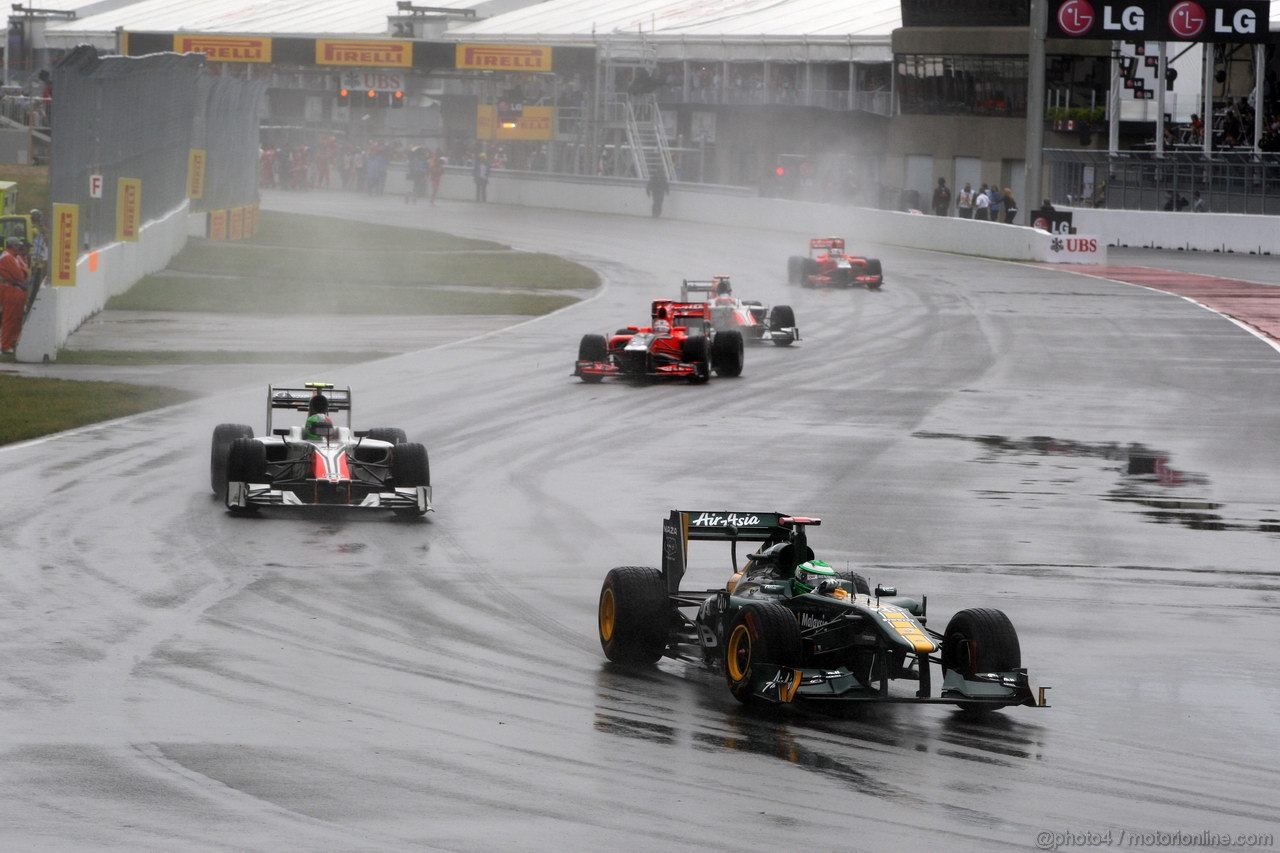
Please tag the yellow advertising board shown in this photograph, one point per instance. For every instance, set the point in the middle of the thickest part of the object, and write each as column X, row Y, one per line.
column 225, row 48
column 504, row 57
column 66, row 245
column 195, row 173
column 250, row 221
column 237, row 224
column 128, row 209
column 217, row 225
column 364, row 53
column 537, row 123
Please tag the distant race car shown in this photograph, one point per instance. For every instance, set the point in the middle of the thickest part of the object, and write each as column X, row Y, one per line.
column 679, row 343
column 318, row 463
column 787, row 627
column 828, row 266
column 757, row 321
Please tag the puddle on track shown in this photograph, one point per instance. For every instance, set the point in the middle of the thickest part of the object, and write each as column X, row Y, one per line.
column 1146, row 479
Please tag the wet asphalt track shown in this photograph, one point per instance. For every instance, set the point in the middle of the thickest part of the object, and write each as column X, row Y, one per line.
column 174, row 678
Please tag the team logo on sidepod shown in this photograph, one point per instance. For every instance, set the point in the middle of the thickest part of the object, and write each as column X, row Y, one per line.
column 1187, row 19
column 1076, row 17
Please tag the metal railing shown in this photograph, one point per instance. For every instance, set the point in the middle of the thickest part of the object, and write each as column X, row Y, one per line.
column 1233, row 182
column 878, row 102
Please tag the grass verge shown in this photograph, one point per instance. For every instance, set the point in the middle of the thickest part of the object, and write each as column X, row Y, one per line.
column 36, row 407
column 115, row 358
column 243, row 296
column 302, row 264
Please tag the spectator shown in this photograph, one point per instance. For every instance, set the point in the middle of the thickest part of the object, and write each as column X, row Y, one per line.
column 480, row 174
column 964, row 202
column 39, row 259
column 14, row 274
column 982, row 205
column 1010, row 206
column 1178, row 203
column 657, row 189
column 996, row 203
column 941, row 198
column 435, row 171
column 1197, row 203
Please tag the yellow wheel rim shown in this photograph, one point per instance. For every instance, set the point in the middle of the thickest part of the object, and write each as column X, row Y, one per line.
column 737, row 657
column 608, row 615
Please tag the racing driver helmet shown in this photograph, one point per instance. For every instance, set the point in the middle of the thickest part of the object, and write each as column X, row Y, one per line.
column 662, row 327
column 722, row 286
column 810, row 575
column 319, row 405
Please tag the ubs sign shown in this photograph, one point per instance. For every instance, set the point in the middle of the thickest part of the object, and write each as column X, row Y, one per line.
column 1235, row 21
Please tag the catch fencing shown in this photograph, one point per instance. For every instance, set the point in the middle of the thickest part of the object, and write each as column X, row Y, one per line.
column 162, row 120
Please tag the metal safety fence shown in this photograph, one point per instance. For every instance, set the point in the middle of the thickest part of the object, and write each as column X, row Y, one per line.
column 1226, row 182
column 135, row 137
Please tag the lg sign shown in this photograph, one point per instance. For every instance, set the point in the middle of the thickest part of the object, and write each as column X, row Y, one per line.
column 1144, row 20
column 1076, row 17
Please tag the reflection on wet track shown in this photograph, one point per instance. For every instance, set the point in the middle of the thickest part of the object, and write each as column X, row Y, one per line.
column 176, row 678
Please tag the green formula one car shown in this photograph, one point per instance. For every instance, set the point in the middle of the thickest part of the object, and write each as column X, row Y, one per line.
column 788, row 627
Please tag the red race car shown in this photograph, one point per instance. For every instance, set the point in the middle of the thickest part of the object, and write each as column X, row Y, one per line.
column 679, row 343
column 828, row 266
column 757, row 321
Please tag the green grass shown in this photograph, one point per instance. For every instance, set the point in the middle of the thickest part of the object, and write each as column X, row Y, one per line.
column 304, row 231
column 148, row 357
column 524, row 270
column 33, row 186
column 36, row 407
column 302, row 264
column 265, row 297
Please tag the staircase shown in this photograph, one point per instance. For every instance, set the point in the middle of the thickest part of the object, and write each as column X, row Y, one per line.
column 647, row 138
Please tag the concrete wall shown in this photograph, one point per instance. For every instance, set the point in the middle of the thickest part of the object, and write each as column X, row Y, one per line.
column 742, row 208
column 1205, row 232
column 59, row 311
column 14, row 145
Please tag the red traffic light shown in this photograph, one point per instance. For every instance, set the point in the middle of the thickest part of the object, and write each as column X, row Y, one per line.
column 372, row 94
column 399, row 94
column 780, row 171
column 342, row 93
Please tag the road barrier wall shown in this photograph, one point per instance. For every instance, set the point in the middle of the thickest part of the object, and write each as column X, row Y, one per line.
column 1203, row 232
column 100, row 275
column 741, row 208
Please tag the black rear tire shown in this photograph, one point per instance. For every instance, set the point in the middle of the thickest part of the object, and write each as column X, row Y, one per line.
column 727, row 352
column 633, row 615
column 593, row 348
column 860, row 584
column 696, row 350
column 759, row 634
column 391, row 435
column 223, row 435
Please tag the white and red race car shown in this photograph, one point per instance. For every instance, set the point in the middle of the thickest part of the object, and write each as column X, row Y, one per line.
column 757, row 322
column 318, row 463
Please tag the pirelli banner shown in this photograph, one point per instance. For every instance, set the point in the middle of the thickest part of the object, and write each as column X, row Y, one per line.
column 128, row 210
column 365, row 52
column 235, row 223
column 196, row 159
column 504, row 57
column 66, row 245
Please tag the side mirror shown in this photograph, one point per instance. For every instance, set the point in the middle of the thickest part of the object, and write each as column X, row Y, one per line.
column 885, row 590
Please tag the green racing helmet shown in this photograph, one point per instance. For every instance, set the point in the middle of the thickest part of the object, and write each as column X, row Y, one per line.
column 809, row 574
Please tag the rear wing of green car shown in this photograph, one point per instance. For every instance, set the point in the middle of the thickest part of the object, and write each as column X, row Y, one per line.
column 682, row 526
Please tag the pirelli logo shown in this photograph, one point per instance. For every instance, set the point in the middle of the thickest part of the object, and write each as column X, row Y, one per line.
column 504, row 57
column 366, row 54
column 225, row 48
